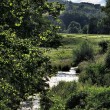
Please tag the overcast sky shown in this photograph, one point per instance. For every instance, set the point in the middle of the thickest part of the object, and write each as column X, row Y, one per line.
column 102, row 2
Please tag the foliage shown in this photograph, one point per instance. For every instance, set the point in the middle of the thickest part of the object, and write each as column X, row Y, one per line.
column 93, row 26
column 96, row 98
column 7, row 96
column 74, row 27
column 60, row 93
column 63, row 56
column 67, row 17
column 82, row 13
column 79, row 97
column 85, row 14
column 106, row 9
column 104, row 46
column 102, row 26
column 23, row 66
column 107, row 59
column 85, row 29
column 95, row 74
column 84, row 52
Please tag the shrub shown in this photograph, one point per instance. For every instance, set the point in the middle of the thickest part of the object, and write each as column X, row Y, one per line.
column 76, row 101
column 95, row 74
column 103, row 45
column 77, row 96
column 99, row 100
column 84, row 52
column 107, row 59
column 74, row 27
column 85, row 29
column 89, row 98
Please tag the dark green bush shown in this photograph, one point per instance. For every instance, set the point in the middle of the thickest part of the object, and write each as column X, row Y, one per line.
column 89, row 98
column 107, row 59
column 77, row 96
column 76, row 100
column 84, row 52
column 99, row 99
column 95, row 74
column 103, row 45
column 104, row 97
column 74, row 27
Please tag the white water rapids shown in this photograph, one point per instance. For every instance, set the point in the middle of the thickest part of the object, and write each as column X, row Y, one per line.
column 63, row 76
column 53, row 81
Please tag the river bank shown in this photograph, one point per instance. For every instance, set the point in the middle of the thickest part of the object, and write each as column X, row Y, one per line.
column 67, row 76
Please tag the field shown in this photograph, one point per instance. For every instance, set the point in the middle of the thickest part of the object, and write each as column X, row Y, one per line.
column 63, row 56
column 93, row 88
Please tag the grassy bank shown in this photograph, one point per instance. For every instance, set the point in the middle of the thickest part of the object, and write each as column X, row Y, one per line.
column 92, row 92
column 63, row 56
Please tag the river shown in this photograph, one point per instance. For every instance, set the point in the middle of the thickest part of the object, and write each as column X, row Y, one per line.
column 66, row 76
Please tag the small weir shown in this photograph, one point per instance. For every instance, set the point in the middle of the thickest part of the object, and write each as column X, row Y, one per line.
column 66, row 76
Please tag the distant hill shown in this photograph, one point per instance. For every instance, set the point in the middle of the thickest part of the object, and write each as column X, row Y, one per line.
column 81, row 13
column 83, row 7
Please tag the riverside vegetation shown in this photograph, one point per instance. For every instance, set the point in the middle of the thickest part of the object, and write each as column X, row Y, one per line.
column 92, row 90
column 28, row 57
column 65, row 56
column 91, row 54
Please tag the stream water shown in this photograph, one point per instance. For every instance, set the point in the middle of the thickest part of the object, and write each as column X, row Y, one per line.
column 67, row 76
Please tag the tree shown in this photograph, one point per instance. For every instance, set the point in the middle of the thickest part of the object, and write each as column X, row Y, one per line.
column 23, row 67
column 85, row 29
column 93, row 26
column 74, row 27
column 107, row 11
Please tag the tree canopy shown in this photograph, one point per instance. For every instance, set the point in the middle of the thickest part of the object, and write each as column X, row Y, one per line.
column 23, row 30
column 74, row 27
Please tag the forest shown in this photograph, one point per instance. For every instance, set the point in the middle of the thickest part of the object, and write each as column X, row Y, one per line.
column 38, row 38
column 83, row 18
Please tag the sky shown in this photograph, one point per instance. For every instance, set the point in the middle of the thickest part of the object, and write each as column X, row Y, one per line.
column 102, row 2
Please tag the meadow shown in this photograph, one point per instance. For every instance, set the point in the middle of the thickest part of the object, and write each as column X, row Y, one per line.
column 63, row 56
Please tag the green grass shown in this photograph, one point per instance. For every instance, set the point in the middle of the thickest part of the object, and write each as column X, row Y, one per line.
column 64, row 54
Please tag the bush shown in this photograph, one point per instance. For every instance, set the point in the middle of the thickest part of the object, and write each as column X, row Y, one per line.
column 103, row 45
column 85, row 29
column 74, row 27
column 107, row 59
column 89, row 98
column 84, row 52
column 95, row 74
column 76, row 101
column 99, row 99
column 77, row 96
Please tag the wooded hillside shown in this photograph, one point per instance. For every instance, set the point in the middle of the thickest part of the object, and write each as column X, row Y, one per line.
column 87, row 15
